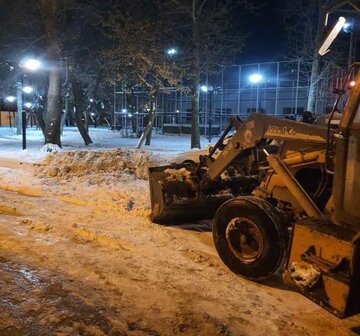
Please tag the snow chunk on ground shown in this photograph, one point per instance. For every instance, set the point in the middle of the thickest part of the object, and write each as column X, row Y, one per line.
column 51, row 148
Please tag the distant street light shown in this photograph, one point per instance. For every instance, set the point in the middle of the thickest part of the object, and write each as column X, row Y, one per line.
column 91, row 100
column 352, row 83
column 10, row 99
column 346, row 26
column 129, row 115
column 124, row 110
column 255, row 78
column 171, row 51
column 27, row 105
column 204, row 88
column 31, row 64
column 28, row 89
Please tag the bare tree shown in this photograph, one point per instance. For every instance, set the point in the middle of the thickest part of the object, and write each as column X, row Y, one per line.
column 48, row 9
column 203, row 29
column 137, row 55
column 305, row 22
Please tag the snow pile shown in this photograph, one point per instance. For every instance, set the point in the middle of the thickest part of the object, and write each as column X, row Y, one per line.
column 68, row 164
column 105, row 179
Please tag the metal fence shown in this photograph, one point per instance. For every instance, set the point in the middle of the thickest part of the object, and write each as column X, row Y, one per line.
column 279, row 89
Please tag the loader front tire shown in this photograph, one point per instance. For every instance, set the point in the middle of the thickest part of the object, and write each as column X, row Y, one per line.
column 250, row 237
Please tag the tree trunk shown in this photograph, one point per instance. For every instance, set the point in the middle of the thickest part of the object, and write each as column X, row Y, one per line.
column 40, row 120
column 316, row 66
column 148, row 127
column 53, row 116
column 313, row 87
column 151, row 119
column 195, row 96
column 66, row 110
column 77, row 93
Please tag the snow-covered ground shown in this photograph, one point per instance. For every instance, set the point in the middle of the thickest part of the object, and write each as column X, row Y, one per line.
column 11, row 144
column 79, row 255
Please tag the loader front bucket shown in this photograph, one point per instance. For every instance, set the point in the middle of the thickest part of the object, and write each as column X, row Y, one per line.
column 176, row 195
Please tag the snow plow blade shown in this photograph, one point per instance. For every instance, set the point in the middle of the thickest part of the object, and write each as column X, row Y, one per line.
column 176, row 195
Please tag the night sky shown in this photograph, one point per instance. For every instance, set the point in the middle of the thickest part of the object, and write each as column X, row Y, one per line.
column 268, row 38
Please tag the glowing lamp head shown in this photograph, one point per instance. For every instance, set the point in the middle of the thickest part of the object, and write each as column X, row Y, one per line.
column 347, row 26
column 27, row 105
column 31, row 64
column 352, row 83
column 10, row 99
column 171, row 51
column 255, row 78
column 27, row 89
column 204, row 88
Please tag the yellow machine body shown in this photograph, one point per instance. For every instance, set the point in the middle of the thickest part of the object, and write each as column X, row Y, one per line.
column 324, row 264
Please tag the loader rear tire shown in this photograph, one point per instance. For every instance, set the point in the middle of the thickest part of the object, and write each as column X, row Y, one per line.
column 250, row 237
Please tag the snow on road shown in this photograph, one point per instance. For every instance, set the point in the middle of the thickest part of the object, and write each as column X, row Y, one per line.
column 79, row 255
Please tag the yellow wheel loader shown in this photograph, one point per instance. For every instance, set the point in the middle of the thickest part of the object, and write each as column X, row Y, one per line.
column 285, row 197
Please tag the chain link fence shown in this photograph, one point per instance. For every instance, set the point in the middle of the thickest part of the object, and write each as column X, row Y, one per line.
column 278, row 89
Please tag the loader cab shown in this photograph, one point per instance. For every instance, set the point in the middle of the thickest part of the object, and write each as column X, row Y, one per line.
column 346, row 189
column 346, row 186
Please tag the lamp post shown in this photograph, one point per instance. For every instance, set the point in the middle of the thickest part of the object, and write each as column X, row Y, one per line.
column 29, row 64
column 256, row 79
column 209, row 89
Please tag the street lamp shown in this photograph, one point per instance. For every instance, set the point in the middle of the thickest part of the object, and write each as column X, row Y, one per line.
column 204, row 88
column 28, row 89
column 255, row 78
column 30, row 64
column 210, row 89
column 346, row 27
column 28, row 105
column 10, row 99
column 171, row 51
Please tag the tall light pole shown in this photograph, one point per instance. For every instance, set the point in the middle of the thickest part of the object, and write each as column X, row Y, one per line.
column 19, row 100
column 29, row 64
column 256, row 79
column 209, row 89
